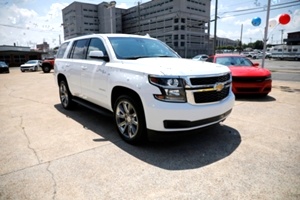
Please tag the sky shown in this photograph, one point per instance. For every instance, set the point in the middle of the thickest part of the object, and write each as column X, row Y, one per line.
column 31, row 22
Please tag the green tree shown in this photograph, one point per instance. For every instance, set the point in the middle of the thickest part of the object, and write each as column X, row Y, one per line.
column 259, row 44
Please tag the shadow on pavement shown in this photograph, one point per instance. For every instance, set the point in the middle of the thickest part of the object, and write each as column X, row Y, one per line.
column 257, row 98
column 180, row 152
column 288, row 89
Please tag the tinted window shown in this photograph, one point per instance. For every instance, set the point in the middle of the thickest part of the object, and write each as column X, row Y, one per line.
column 234, row 61
column 130, row 48
column 79, row 49
column 209, row 59
column 62, row 50
column 96, row 45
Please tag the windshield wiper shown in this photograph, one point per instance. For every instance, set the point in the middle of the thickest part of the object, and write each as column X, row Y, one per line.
column 138, row 57
column 165, row 56
column 135, row 57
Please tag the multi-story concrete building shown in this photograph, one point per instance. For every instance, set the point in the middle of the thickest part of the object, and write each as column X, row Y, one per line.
column 182, row 24
column 221, row 42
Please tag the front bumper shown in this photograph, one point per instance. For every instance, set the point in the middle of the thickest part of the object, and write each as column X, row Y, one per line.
column 29, row 67
column 170, row 117
column 252, row 88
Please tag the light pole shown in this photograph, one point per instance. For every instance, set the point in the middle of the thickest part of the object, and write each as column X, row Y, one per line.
column 110, row 6
column 215, row 29
column 266, row 33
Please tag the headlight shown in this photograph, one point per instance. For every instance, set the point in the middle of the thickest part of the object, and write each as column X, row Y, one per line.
column 172, row 88
column 269, row 77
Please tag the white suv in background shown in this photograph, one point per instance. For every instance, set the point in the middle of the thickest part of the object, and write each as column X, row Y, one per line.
column 145, row 84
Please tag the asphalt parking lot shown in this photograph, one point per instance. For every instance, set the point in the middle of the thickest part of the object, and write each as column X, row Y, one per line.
column 50, row 153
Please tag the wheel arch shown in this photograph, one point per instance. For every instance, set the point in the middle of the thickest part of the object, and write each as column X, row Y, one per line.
column 134, row 96
column 61, row 77
column 120, row 90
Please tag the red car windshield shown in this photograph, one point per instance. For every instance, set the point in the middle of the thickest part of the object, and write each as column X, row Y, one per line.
column 234, row 61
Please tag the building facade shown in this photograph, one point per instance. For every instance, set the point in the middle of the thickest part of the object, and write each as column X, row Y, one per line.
column 182, row 24
column 293, row 38
column 14, row 56
column 43, row 47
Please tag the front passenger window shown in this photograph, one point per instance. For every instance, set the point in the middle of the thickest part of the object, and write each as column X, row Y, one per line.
column 96, row 45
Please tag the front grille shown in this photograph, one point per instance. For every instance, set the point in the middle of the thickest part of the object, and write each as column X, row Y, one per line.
column 207, row 89
column 248, row 79
column 210, row 80
column 211, row 96
column 256, row 90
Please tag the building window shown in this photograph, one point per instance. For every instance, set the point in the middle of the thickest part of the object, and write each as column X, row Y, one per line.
column 176, row 20
column 175, row 37
column 182, row 20
column 182, row 37
column 175, row 44
column 175, row 28
column 182, row 44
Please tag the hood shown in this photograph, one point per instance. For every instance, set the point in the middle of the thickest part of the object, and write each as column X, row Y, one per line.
column 249, row 71
column 28, row 65
column 174, row 66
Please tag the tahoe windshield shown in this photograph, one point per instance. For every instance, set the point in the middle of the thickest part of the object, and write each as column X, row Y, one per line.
column 135, row 48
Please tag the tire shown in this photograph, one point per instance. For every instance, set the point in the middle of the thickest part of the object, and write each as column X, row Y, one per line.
column 130, row 120
column 22, row 70
column 65, row 95
column 46, row 69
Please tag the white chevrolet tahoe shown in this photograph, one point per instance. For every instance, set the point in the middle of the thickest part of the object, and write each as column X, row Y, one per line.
column 145, row 84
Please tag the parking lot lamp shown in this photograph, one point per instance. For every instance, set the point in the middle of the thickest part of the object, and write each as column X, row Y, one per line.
column 111, row 5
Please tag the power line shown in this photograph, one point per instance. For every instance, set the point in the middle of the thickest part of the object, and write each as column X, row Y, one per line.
column 263, row 7
column 256, row 11
column 24, row 28
column 274, row 7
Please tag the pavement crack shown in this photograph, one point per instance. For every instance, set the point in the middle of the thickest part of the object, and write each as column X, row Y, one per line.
column 54, row 181
column 18, row 97
column 28, row 140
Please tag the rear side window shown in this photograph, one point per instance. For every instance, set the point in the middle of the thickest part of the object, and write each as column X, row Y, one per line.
column 62, row 50
column 79, row 49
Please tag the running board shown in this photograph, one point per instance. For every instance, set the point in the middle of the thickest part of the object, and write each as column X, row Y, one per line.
column 93, row 107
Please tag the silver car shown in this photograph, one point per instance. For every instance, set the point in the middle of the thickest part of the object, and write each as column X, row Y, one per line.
column 31, row 65
column 201, row 57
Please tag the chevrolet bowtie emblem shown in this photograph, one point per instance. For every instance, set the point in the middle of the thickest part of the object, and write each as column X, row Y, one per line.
column 218, row 87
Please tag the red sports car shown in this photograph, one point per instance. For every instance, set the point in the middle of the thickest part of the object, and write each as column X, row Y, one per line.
column 247, row 77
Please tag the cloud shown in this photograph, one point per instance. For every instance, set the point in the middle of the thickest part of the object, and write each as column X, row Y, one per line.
column 227, row 19
column 122, row 5
column 22, row 26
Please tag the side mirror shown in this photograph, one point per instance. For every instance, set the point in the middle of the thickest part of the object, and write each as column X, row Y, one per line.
column 98, row 55
column 255, row 64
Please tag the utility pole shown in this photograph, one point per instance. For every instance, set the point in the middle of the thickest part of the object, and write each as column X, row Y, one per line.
column 266, row 33
column 139, row 18
column 215, row 31
column 272, row 39
column 282, row 30
column 241, row 38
